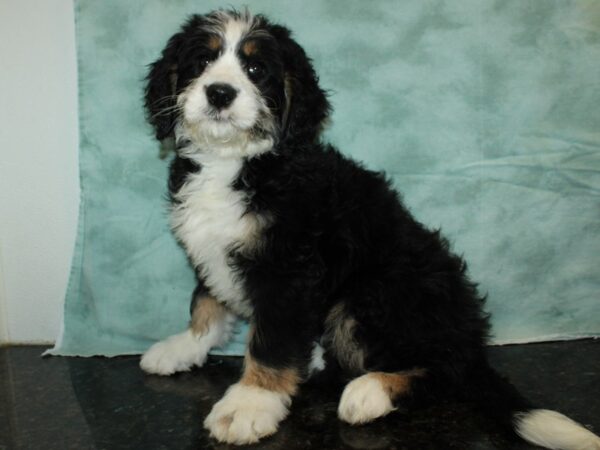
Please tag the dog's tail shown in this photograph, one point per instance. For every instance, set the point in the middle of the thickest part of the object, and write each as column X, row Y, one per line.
column 500, row 400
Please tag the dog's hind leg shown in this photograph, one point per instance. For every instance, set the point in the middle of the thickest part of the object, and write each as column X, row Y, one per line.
column 210, row 327
column 373, row 394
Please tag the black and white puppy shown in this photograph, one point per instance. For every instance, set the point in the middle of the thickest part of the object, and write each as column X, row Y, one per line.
column 318, row 253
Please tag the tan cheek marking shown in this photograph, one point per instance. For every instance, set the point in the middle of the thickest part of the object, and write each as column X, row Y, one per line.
column 207, row 311
column 399, row 383
column 278, row 380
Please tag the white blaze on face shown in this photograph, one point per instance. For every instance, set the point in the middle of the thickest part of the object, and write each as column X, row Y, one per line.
column 228, row 130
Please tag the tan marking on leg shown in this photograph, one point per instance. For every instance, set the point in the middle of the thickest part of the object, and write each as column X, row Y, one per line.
column 278, row 380
column 339, row 331
column 207, row 311
column 398, row 383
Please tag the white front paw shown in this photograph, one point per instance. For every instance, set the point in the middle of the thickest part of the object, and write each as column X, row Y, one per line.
column 246, row 414
column 364, row 400
column 177, row 353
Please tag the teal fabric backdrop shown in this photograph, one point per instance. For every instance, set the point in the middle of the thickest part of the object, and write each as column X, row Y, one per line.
column 484, row 113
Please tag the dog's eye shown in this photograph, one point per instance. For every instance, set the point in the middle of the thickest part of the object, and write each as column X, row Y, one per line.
column 201, row 63
column 256, row 71
column 204, row 61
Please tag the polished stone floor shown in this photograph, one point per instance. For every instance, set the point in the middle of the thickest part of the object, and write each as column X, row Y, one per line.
column 102, row 403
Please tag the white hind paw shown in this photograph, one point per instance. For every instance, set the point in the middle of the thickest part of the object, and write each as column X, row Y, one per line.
column 364, row 400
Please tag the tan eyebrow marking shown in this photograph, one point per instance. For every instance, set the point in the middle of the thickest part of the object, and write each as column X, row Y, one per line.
column 250, row 47
column 214, row 42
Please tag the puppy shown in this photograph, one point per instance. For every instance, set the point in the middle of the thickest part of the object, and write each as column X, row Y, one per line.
column 317, row 252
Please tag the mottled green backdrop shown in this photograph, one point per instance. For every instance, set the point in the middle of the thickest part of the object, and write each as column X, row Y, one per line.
column 485, row 113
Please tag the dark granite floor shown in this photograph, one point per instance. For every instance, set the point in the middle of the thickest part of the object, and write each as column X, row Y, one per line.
column 101, row 403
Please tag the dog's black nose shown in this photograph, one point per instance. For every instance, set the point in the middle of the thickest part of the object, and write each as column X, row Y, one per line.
column 220, row 95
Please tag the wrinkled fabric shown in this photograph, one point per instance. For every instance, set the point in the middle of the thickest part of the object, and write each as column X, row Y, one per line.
column 483, row 113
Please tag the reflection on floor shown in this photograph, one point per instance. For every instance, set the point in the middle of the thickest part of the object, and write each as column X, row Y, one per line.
column 101, row 403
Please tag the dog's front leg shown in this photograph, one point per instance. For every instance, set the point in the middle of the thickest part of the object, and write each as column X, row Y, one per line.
column 253, row 407
column 273, row 368
column 210, row 327
column 285, row 292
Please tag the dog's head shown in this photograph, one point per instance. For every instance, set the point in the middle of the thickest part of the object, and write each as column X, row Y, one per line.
column 234, row 82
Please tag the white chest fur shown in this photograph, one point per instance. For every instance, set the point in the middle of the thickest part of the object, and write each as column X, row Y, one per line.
column 210, row 220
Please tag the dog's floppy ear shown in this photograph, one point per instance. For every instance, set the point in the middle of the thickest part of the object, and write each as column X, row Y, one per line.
column 306, row 103
column 161, row 89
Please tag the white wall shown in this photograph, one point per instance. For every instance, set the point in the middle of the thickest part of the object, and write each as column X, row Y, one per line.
column 39, row 184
